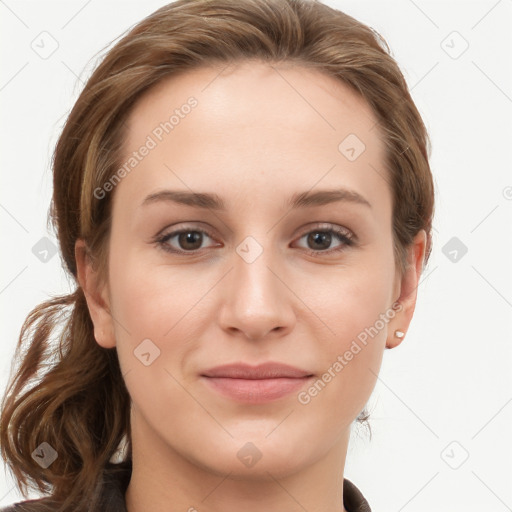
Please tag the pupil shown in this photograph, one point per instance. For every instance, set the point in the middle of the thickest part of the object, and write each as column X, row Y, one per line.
column 325, row 237
column 190, row 237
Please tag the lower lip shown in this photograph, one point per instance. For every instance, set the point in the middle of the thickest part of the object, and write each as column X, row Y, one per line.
column 256, row 391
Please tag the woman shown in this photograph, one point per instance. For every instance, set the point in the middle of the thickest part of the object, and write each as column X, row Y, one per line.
column 243, row 196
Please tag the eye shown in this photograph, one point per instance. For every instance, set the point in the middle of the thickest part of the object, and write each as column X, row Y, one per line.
column 188, row 240
column 319, row 240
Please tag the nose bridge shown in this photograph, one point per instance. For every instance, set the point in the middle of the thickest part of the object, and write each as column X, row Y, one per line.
column 253, row 262
column 256, row 300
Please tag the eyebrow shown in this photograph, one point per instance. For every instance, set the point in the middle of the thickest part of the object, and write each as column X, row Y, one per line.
column 214, row 202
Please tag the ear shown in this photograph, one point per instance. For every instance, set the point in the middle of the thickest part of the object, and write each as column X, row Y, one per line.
column 96, row 295
column 408, row 287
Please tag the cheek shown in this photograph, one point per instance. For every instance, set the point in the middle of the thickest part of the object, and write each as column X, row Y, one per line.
column 352, row 300
column 148, row 298
column 159, row 312
column 355, row 311
column 153, row 315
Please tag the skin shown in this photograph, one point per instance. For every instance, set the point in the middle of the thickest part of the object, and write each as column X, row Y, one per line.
column 254, row 141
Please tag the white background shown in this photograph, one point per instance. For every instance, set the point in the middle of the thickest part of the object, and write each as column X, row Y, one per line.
column 451, row 378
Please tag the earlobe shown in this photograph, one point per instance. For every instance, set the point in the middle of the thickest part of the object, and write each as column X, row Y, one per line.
column 408, row 290
column 96, row 295
column 396, row 339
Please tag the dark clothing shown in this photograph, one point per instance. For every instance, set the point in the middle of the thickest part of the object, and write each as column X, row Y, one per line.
column 115, row 482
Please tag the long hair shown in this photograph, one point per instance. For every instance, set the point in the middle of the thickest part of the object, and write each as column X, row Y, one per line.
column 68, row 391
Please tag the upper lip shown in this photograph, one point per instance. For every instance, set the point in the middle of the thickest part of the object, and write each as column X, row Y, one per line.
column 270, row 370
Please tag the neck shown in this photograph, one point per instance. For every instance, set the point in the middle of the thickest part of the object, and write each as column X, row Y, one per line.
column 164, row 480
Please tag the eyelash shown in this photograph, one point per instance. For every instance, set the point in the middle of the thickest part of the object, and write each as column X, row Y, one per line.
column 342, row 235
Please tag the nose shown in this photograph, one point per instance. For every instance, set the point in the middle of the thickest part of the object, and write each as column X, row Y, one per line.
column 256, row 299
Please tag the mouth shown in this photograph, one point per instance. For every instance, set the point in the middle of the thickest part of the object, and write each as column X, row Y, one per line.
column 256, row 384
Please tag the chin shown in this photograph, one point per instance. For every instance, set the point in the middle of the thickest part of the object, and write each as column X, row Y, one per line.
column 255, row 456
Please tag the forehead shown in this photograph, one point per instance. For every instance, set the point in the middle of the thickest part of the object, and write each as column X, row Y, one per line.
column 255, row 126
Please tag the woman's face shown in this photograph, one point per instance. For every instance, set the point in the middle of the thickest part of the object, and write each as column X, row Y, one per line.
column 259, row 274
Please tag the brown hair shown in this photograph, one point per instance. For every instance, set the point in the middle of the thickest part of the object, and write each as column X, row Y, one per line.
column 78, row 403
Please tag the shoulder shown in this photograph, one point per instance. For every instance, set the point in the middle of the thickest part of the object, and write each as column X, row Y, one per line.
column 110, row 500
column 37, row 505
column 353, row 498
column 112, row 488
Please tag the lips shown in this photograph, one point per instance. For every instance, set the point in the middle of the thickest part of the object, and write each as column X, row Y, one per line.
column 262, row 371
column 256, row 384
